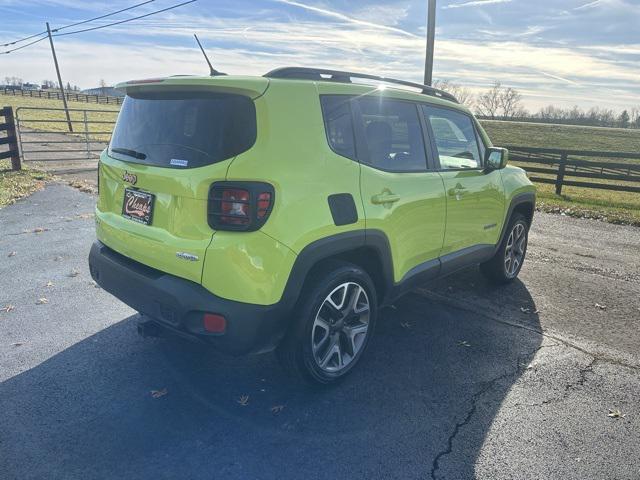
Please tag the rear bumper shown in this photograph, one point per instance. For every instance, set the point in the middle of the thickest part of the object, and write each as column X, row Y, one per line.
column 178, row 304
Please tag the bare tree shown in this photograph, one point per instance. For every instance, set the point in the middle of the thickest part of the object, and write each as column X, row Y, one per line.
column 488, row 103
column 103, row 86
column 13, row 81
column 510, row 103
column 463, row 94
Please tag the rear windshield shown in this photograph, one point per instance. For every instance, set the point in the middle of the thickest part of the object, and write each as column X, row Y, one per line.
column 183, row 130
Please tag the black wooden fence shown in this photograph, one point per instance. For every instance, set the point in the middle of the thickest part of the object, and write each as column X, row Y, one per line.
column 71, row 96
column 618, row 171
column 9, row 138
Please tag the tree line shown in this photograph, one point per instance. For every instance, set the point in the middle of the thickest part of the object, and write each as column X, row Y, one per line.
column 45, row 84
column 505, row 103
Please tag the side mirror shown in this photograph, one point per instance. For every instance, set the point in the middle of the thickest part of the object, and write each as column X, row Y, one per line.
column 496, row 158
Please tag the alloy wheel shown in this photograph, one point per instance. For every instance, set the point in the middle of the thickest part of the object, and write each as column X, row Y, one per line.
column 340, row 328
column 514, row 251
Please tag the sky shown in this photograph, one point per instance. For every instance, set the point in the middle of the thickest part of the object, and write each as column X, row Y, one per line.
column 560, row 52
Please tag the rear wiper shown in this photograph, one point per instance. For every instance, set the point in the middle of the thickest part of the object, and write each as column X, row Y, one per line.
column 129, row 153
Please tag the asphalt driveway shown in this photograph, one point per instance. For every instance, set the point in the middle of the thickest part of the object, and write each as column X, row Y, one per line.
column 461, row 381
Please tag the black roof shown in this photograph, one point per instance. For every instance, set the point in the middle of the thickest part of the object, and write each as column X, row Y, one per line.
column 320, row 74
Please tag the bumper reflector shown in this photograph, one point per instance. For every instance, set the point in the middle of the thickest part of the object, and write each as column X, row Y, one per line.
column 214, row 323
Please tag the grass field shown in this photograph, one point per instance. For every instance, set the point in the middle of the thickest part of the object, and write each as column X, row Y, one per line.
column 569, row 137
column 57, row 119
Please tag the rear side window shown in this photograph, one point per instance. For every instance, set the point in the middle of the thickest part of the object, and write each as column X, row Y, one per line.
column 183, row 129
column 392, row 133
column 455, row 138
column 338, row 124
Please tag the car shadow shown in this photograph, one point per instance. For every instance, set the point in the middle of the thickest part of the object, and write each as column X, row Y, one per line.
column 115, row 405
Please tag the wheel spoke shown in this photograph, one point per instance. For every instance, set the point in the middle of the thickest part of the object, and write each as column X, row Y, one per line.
column 331, row 351
column 353, row 298
column 321, row 343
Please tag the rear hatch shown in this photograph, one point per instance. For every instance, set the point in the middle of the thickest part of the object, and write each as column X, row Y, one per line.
column 172, row 140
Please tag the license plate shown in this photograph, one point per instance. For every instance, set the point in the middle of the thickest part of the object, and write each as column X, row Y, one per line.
column 138, row 206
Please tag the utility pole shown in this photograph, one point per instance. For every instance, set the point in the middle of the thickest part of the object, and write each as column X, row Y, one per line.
column 55, row 61
column 431, row 34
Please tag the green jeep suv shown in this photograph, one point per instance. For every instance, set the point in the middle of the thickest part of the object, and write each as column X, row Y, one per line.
column 282, row 212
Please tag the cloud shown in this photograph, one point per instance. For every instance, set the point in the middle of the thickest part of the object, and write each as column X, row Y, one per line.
column 345, row 18
column 593, row 4
column 474, row 3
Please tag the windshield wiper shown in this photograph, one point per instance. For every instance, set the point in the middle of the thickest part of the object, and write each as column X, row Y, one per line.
column 129, row 153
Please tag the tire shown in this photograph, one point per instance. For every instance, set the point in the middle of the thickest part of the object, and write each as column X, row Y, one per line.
column 331, row 324
column 507, row 262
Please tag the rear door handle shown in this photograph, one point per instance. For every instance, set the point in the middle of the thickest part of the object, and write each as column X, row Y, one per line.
column 385, row 197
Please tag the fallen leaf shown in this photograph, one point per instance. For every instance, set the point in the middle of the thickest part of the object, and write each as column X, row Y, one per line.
column 463, row 343
column 277, row 409
column 601, row 307
column 615, row 413
column 74, row 273
column 49, row 284
column 12, row 254
column 42, row 301
column 243, row 400
column 159, row 393
column 7, row 308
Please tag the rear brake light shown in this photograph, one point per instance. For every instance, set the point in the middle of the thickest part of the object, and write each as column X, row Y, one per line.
column 240, row 206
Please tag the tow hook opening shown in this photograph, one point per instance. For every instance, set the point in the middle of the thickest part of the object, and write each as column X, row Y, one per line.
column 149, row 328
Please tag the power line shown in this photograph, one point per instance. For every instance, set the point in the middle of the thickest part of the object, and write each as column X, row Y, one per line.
column 124, row 21
column 79, row 23
column 102, row 16
column 92, row 28
column 25, row 45
column 23, row 39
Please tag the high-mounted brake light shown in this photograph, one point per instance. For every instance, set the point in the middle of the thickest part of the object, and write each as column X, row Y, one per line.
column 144, row 80
column 239, row 206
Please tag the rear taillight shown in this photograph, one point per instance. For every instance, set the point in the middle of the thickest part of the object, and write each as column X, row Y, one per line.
column 239, row 206
column 235, row 207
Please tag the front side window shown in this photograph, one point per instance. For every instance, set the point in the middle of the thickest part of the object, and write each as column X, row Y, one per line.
column 336, row 111
column 392, row 134
column 183, row 129
column 455, row 138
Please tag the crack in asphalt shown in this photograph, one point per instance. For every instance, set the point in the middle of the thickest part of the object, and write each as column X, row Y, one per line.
column 435, row 465
column 568, row 388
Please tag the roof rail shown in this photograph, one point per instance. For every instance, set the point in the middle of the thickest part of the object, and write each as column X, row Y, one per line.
column 321, row 74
